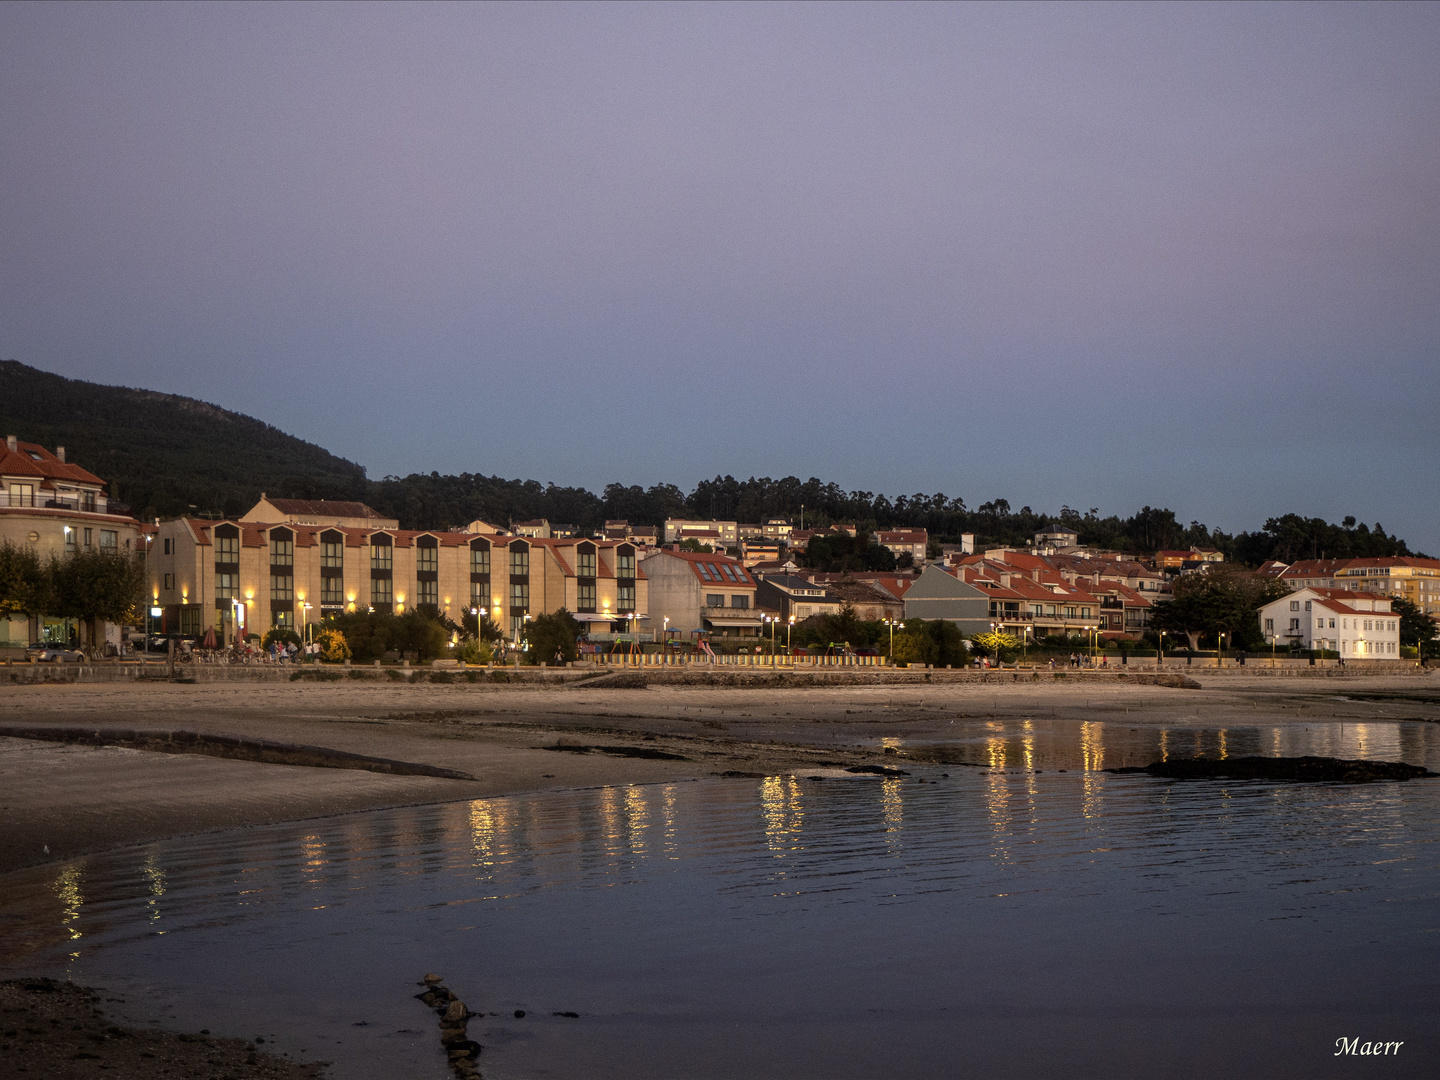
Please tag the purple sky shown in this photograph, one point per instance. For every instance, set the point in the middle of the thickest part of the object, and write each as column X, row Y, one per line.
column 1114, row 255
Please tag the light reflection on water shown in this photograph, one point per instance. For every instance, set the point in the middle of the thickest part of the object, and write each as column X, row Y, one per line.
column 993, row 923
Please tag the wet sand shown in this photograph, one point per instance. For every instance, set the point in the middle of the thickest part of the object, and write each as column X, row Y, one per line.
column 58, row 801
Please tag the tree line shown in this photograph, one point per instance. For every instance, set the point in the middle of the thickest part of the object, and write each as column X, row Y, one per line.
column 90, row 585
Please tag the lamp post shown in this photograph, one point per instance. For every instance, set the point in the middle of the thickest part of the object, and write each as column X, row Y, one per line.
column 305, row 621
column 773, row 621
column 789, row 657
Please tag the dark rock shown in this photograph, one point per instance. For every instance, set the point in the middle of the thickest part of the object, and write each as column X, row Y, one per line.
column 738, row 774
column 571, row 1015
column 466, row 1048
column 432, row 980
column 456, row 1013
column 876, row 770
column 519, row 1014
column 1297, row 769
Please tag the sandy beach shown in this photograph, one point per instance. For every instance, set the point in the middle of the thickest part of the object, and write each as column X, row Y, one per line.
column 61, row 799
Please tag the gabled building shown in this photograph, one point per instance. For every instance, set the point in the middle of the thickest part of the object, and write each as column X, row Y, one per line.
column 1357, row 625
column 725, row 533
column 243, row 577
column 52, row 506
column 354, row 515
column 912, row 542
column 690, row 592
column 936, row 594
column 796, row 597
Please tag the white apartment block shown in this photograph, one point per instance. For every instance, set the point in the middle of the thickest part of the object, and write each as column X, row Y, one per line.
column 1357, row 625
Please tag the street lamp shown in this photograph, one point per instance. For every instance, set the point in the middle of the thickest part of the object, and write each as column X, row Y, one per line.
column 788, row 627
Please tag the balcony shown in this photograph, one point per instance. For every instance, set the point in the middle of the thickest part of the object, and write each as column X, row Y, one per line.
column 43, row 501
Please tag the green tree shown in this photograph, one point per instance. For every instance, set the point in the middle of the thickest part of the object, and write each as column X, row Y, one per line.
column 96, row 586
column 26, row 586
column 933, row 641
column 1223, row 599
column 550, row 636
column 1416, row 628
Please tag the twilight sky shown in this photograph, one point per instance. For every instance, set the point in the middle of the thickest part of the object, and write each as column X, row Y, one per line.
column 1103, row 255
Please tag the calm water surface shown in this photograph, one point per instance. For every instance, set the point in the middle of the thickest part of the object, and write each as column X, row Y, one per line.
column 995, row 923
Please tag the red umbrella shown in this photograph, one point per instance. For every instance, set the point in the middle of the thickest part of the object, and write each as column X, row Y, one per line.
column 209, row 642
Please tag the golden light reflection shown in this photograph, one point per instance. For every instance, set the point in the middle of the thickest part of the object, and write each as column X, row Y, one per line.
column 1092, row 745
column 1224, row 747
column 72, row 899
column 155, row 877
column 637, row 817
column 610, row 828
column 1092, row 788
column 995, row 752
column 997, row 800
column 1027, row 743
column 784, row 816
column 667, row 817
column 484, row 830
column 892, row 805
column 1164, row 744
column 889, row 742
column 314, row 851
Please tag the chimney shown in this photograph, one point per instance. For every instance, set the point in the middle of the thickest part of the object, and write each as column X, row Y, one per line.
column 12, row 442
column 60, row 453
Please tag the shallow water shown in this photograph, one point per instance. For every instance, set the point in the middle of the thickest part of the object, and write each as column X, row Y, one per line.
column 997, row 923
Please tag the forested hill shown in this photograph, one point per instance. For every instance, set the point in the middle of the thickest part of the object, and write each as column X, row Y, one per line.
column 163, row 454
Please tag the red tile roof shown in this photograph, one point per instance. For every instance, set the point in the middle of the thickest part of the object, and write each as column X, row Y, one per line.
column 32, row 459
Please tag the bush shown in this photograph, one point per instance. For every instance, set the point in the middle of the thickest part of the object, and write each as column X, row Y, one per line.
column 370, row 635
column 282, row 636
column 332, row 643
column 472, row 651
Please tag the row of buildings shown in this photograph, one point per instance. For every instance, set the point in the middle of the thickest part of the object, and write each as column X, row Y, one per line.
column 290, row 562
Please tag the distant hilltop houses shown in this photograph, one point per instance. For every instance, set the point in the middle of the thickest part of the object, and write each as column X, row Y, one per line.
column 289, row 563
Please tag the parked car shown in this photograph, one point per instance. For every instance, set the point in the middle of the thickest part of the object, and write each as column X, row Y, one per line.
column 54, row 654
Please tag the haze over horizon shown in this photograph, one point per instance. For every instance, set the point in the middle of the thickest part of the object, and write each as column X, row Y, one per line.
column 1103, row 255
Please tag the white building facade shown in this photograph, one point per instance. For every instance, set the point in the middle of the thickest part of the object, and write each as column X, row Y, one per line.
column 1358, row 626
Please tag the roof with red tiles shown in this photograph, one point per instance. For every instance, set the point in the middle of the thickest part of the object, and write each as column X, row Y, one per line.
column 32, row 459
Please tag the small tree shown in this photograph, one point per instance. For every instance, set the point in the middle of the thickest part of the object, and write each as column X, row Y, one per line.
column 1002, row 645
column 96, row 586
column 1416, row 628
column 26, row 587
column 552, row 636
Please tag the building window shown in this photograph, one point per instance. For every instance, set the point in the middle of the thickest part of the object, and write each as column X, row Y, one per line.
column 1269, row 626
column 169, row 581
column 520, row 560
column 587, row 562
column 427, row 556
column 1294, row 624
column 625, row 562
column 226, row 586
column 714, row 599
column 480, row 596
column 167, row 546
column 71, row 540
column 282, row 620
column 625, row 598
column 381, row 553
column 739, row 600
column 227, row 549
column 190, row 620
column 427, row 592
column 282, row 548
column 282, row 587
column 332, row 591
column 381, row 593
column 332, row 554
column 479, row 557
column 585, row 598
column 88, row 537
column 1294, row 605
column 519, row 593
column 22, row 495
column 109, row 541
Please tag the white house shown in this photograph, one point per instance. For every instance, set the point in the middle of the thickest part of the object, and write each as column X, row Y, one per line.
column 1357, row 625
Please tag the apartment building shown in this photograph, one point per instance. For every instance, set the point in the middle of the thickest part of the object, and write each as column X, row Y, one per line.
column 54, row 507
column 242, row 577
column 692, row 592
column 797, row 598
column 912, row 542
column 1357, row 625
column 724, row 533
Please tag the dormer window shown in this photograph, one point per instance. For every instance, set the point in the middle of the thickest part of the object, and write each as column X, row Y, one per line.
column 427, row 555
column 586, row 561
column 282, row 547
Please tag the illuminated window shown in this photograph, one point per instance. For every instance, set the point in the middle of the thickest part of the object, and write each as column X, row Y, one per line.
column 282, row 587
column 585, row 598
column 381, row 592
column 381, row 553
column 427, row 556
column 519, row 594
column 479, row 557
column 427, row 592
column 520, row 561
column 226, row 586
column 332, row 590
column 625, row 598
